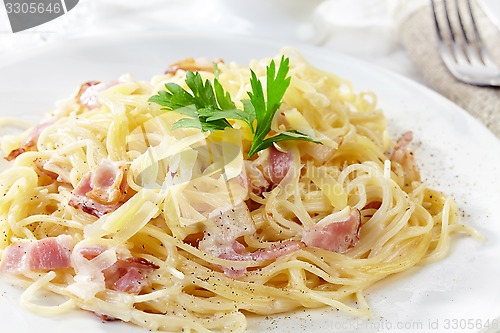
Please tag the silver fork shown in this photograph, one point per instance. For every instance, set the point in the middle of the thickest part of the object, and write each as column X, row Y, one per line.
column 462, row 49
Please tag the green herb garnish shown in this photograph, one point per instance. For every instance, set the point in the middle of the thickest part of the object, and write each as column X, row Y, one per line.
column 209, row 107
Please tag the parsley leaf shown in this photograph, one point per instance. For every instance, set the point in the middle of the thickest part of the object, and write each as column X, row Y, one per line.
column 277, row 84
column 224, row 99
column 209, row 107
column 199, row 105
column 281, row 137
column 173, row 98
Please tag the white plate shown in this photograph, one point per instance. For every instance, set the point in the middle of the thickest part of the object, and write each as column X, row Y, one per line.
column 456, row 154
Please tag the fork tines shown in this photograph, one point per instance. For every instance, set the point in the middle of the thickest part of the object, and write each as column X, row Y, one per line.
column 460, row 43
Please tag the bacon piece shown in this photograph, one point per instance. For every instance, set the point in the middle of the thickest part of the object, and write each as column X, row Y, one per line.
column 14, row 258
column 83, row 88
column 275, row 167
column 140, row 263
column 102, row 190
column 373, row 205
column 106, row 183
column 130, row 282
column 255, row 178
column 274, row 251
column 225, row 226
column 223, row 229
column 42, row 255
column 277, row 250
column 193, row 65
column 237, row 252
column 333, row 235
column 31, row 141
column 51, row 253
column 90, row 252
column 32, row 138
column 105, row 317
column 42, row 166
column 128, row 275
column 404, row 140
column 15, row 153
column 88, row 93
column 279, row 165
column 234, row 272
column 404, row 156
column 194, row 239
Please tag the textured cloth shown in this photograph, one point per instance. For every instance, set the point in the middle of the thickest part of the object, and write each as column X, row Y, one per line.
column 417, row 34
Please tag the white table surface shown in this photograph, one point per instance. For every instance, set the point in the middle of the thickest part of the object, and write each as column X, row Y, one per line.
column 360, row 28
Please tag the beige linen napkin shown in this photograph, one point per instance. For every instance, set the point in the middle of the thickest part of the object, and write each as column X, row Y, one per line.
column 417, row 34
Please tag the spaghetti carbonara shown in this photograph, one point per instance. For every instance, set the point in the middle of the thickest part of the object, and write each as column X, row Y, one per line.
column 108, row 205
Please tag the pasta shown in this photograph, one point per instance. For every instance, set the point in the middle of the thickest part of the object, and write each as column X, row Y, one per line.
column 178, row 230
